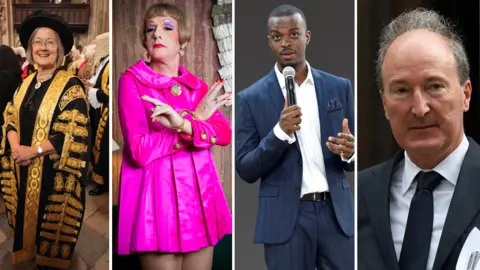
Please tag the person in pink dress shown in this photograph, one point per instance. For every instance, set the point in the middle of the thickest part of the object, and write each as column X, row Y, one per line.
column 172, row 209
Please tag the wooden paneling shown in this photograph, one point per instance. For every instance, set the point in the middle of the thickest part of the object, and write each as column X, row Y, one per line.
column 76, row 15
column 200, row 58
column 99, row 19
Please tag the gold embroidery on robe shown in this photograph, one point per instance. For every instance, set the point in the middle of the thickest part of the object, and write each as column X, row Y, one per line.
column 70, row 184
column 65, row 251
column 59, row 198
column 10, row 117
column 98, row 139
column 53, row 217
column 78, row 131
column 12, row 110
column 79, row 195
column 73, row 114
column 105, row 78
column 58, row 183
column 72, row 68
column 54, row 250
column 62, row 228
column 35, row 169
column 102, row 125
column 97, row 178
column 72, row 165
column 70, row 95
column 44, row 247
column 75, row 126
column 9, row 190
column 63, row 238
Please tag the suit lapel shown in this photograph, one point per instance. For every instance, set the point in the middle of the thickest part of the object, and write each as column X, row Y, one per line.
column 378, row 208
column 465, row 205
column 275, row 92
column 278, row 99
column 325, row 125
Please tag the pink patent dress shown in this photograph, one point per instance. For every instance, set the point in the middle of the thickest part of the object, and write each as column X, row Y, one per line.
column 171, row 198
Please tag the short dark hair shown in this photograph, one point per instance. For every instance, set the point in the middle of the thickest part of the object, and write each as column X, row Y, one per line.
column 9, row 60
column 285, row 11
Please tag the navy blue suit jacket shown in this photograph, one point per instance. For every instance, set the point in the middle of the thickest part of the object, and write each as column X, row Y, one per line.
column 261, row 155
column 376, row 250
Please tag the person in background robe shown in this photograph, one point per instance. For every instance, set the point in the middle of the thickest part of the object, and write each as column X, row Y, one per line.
column 98, row 95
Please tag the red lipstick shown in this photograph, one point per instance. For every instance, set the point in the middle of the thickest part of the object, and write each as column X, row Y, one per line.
column 159, row 45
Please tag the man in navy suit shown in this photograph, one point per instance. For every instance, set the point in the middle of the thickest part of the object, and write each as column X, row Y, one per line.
column 305, row 210
column 417, row 210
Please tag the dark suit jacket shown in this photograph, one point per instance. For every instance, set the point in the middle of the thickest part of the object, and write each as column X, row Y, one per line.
column 261, row 155
column 375, row 244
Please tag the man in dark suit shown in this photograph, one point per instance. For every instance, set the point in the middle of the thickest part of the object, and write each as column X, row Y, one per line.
column 305, row 212
column 416, row 210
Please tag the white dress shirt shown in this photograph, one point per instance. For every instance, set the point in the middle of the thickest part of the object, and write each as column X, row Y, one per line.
column 403, row 188
column 309, row 136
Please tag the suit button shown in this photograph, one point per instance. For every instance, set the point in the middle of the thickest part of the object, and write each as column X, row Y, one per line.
column 176, row 145
column 297, row 190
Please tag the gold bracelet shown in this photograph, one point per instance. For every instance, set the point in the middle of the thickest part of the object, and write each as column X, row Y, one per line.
column 195, row 116
column 183, row 113
column 180, row 128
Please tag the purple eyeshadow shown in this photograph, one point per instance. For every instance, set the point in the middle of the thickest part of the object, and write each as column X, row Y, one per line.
column 168, row 23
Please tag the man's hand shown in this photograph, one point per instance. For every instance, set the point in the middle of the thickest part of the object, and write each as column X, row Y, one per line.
column 290, row 118
column 344, row 145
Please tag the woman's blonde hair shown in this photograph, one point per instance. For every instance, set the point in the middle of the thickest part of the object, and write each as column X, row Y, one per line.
column 184, row 33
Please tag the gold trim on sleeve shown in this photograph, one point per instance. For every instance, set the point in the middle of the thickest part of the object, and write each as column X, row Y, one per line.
column 105, row 77
column 78, row 131
column 99, row 136
column 68, row 115
column 97, row 178
column 73, row 93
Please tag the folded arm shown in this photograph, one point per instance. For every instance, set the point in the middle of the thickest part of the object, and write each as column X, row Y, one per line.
column 143, row 145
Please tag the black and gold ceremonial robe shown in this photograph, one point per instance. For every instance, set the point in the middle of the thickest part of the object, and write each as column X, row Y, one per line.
column 67, row 62
column 100, row 123
column 45, row 201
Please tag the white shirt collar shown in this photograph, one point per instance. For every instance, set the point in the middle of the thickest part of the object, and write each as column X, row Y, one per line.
column 281, row 79
column 449, row 168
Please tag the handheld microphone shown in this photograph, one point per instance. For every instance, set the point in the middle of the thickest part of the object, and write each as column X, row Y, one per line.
column 289, row 74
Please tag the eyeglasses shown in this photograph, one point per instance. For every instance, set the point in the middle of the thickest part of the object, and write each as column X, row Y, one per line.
column 50, row 44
